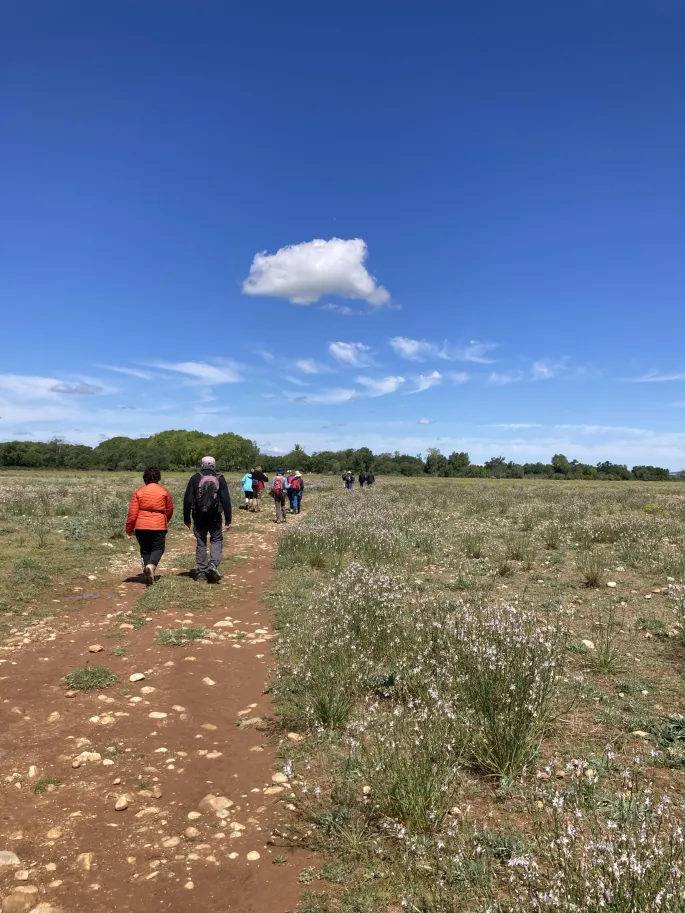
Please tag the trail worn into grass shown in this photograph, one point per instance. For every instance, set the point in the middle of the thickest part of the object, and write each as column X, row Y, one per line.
column 189, row 728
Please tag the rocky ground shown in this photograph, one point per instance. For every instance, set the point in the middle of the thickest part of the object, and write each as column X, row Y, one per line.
column 161, row 791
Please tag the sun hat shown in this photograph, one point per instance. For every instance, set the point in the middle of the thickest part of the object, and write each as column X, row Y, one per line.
column 208, row 461
column 298, row 475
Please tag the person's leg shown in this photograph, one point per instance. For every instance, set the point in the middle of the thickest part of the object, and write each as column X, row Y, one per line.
column 216, row 539
column 295, row 503
column 143, row 537
column 157, row 546
column 201, row 562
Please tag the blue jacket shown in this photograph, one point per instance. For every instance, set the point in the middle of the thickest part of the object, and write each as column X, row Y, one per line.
column 247, row 482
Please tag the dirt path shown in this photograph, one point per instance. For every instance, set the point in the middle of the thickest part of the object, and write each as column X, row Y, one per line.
column 75, row 850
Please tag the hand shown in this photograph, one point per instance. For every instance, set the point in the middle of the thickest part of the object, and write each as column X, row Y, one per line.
column 187, row 525
column 129, row 536
column 228, row 526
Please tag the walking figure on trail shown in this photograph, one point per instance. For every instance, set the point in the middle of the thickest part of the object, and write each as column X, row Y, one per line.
column 259, row 481
column 248, row 490
column 205, row 498
column 348, row 479
column 149, row 513
column 279, row 488
column 362, row 478
column 295, row 491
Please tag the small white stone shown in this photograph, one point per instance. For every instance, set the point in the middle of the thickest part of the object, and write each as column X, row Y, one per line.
column 95, row 648
column 253, row 856
column 208, row 681
column 157, row 715
column 588, row 644
column 611, row 584
column 136, row 677
column 122, row 803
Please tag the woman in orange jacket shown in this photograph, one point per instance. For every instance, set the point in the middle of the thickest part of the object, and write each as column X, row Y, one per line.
column 149, row 513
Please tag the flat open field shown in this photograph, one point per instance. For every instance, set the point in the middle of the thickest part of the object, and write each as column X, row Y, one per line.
column 474, row 702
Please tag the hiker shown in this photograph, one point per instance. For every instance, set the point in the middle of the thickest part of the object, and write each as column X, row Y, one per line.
column 149, row 513
column 362, row 478
column 206, row 496
column 259, row 482
column 348, row 479
column 246, row 483
column 279, row 487
column 295, row 490
column 370, row 479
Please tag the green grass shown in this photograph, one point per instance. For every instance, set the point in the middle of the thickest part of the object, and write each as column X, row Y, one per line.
column 174, row 593
column 179, row 637
column 89, row 678
column 42, row 784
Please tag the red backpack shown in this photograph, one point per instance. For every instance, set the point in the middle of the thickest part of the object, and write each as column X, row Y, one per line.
column 277, row 488
column 296, row 483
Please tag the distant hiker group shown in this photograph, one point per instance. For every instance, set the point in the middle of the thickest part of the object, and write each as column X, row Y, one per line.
column 365, row 478
column 284, row 485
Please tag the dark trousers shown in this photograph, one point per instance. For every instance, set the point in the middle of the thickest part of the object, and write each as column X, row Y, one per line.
column 212, row 528
column 152, row 543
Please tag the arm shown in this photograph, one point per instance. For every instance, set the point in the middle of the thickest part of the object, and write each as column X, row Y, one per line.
column 225, row 501
column 169, row 508
column 133, row 510
column 188, row 502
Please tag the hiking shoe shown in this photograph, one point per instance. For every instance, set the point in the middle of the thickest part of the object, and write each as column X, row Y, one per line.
column 149, row 572
column 213, row 576
column 201, row 578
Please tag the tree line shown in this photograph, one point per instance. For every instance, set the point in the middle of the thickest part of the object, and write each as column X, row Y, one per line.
column 182, row 450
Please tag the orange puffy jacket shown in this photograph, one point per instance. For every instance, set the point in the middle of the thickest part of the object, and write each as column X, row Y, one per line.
column 151, row 507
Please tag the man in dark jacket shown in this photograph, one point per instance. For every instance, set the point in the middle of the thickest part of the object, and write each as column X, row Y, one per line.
column 205, row 498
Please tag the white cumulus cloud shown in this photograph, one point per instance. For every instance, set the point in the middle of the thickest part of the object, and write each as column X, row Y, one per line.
column 426, row 421
column 304, row 273
column 355, row 354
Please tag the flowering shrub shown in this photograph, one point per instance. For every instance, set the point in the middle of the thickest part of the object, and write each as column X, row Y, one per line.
column 510, row 661
column 631, row 860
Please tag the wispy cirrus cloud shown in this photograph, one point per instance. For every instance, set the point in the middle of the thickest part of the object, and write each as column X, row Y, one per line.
column 354, row 354
column 381, row 386
column 501, row 379
column 333, row 396
column 25, row 387
column 422, row 350
column 79, row 389
column 128, row 372
column 426, row 381
column 342, row 309
column 310, row 366
column 221, row 371
column 304, row 273
column 546, row 369
column 518, row 425
column 657, row 377
column 426, row 421
column 458, row 377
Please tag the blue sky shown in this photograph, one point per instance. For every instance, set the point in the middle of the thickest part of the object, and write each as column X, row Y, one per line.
column 400, row 226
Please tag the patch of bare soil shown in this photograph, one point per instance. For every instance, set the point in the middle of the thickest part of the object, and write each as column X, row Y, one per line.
column 103, row 801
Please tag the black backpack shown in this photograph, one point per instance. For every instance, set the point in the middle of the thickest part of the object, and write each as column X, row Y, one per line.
column 207, row 501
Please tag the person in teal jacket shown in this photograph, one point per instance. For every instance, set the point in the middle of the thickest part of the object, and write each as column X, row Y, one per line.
column 246, row 483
